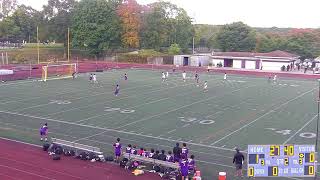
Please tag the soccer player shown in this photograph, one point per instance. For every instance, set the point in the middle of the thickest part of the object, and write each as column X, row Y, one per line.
column 117, row 149
column 44, row 132
column 162, row 156
column 134, row 150
column 184, row 151
column 275, row 78
column 196, row 76
column 238, row 160
column 141, row 152
column 192, row 164
column 151, row 154
column 167, row 75
column 225, row 76
column 128, row 149
column 116, row 92
column 169, row 157
column 269, row 79
column 205, row 86
column 94, row 78
column 90, row 77
column 176, row 153
column 73, row 75
column 163, row 76
column 184, row 165
column 184, row 76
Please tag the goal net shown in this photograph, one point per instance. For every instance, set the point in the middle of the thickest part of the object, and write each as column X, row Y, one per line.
column 58, row 71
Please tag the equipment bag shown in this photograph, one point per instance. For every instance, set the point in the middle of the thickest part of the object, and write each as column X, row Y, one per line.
column 45, row 146
column 56, row 157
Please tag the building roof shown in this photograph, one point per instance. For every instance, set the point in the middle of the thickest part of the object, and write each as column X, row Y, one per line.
column 278, row 54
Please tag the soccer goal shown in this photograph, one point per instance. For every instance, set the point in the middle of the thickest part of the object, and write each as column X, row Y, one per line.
column 58, row 71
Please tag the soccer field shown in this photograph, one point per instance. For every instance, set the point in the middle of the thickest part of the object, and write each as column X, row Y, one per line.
column 149, row 113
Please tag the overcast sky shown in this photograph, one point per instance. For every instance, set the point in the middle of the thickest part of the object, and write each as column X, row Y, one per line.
column 256, row 13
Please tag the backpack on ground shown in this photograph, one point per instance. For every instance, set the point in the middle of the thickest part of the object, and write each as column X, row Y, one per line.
column 109, row 158
column 123, row 162
column 45, row 146
column 56, row 157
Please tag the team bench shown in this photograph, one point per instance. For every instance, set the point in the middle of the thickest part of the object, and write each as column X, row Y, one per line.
column 132, row 157
column 76, row 146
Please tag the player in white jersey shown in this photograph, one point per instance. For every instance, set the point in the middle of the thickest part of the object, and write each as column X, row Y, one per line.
column 163, row 76
column 275, row 78
column 184, row 76
column 225, row 76
column 94, row 78
column 205, row 86
column 167, row 75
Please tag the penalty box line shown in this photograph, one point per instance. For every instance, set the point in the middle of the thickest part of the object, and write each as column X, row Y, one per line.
column 110, row 130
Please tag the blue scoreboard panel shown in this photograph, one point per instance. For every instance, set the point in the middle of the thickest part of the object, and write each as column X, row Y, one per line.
column 281, row 161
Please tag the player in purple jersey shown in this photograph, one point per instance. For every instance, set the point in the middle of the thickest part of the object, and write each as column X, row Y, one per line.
column 134, row 150
column 117, row 149
column 192, row 164
column 169, row 157
column 125, row 76
column 184, row 168
column 44, row 132
column 128, row 149
column 116, row 92
column 184, row 151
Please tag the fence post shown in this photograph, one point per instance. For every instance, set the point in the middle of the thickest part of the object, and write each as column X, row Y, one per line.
column 7, row 57
column 2, row 57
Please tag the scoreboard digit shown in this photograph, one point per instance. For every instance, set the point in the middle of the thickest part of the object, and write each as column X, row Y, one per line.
column 282, row 161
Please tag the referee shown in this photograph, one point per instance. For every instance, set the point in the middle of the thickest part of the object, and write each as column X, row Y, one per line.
column 238, row 160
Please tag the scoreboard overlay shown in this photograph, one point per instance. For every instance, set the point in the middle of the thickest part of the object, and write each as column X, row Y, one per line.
column 281, row 161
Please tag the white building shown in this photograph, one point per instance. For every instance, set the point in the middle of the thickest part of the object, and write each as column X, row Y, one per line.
column 246, row 60
column 191, row 60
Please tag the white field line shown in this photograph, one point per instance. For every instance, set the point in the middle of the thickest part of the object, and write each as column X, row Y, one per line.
column 67, row 92
column 218, row 112
column 156, row 90
column 265, row 114
column 26, row 172
column 108, row 129
column 188, row 105
column 132, row 107
column 16, row 83
column 306, row 124
column 84, row 97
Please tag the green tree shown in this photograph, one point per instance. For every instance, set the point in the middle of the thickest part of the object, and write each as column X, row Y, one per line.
column 98, row 30
column 174, row 49
column 236, row 37
column 7, row 7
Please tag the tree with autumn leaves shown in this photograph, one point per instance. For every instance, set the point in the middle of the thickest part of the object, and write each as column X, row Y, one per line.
column 129, row 14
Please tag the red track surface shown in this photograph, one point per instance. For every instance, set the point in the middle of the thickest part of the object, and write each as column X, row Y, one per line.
column 20, row 161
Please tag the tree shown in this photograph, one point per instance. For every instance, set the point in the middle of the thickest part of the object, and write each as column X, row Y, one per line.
column 129, row 13
column 7, row 7
column 98, row 30
column 236, row 37
column 174, row 49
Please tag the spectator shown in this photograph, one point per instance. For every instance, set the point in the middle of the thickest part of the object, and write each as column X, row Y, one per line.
column 238, row 160
column 156, row 155
column 128, row 149
column 150, row 155
column 169, row 157
column 162, row 156
column 145, row 153
column 176, row 153
column 141, row 152
column 184, row 151
column 134, row 150
column 117, row 150
column 288, row 67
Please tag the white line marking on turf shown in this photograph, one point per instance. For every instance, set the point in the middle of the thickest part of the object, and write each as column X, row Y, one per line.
column 173, row 110
column 171, row 131
column 219, row 112
column 265, row 114
column 160, row 89
column 306, row 124
column 110, row 130
column 186, row 125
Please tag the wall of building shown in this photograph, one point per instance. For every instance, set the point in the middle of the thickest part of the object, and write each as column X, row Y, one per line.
column 236, row 63
column 216, row 61
column 178, row 60
column 274, row 66
column 250, row 64
column 196, row 60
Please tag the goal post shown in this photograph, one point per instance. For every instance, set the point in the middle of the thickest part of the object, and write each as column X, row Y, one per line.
column 58, row 71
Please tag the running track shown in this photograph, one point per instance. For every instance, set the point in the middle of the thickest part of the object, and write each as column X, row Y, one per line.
column 20, row 161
